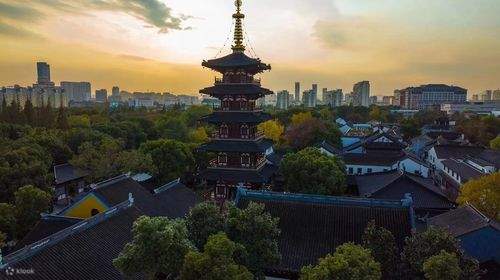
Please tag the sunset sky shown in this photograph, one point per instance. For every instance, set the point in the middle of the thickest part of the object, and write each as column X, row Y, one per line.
column 158, row 45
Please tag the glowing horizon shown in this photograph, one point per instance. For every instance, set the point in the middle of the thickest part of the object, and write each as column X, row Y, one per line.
column 158, row 45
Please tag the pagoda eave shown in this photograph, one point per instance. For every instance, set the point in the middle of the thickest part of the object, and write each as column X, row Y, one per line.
column 236, row 89
column 242, row 146
column 236, row 117
column 260, row 176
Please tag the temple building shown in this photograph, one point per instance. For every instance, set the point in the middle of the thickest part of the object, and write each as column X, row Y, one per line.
column 239, row 149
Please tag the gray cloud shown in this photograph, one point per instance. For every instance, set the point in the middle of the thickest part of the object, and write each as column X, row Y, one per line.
column 152, row 12
column 9, row 30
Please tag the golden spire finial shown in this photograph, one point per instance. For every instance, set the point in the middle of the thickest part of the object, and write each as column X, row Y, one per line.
column 238, row 29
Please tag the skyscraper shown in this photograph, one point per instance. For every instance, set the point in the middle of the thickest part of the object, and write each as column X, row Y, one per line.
column 432, row 95
column 361, row 94
column 43, row 72
column 297, row 92
column 115, row 91
column 333, row 98
column 283, row 100
column 323, row 94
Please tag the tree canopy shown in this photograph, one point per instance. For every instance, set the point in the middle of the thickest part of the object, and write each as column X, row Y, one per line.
column 383, row 248
column 442, row 266
column 310, row 171
column 202, row 221
column 216, row 262
column 484, row 194
column 349, row 262
column 157, row 248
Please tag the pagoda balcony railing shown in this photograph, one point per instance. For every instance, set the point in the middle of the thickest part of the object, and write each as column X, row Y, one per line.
column 255, row 136
column 241, row 81
column 239, row 109
column 214, row 164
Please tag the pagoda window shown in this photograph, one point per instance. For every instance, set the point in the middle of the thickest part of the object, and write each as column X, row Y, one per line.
column 226, row 103
column 245, row 160
column 244, row 131
column 243, row 102
column 222, row 159
column 224, row 131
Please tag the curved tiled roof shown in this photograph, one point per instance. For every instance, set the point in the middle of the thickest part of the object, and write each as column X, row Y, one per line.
column 313, row 226
column 236, row 60
column 247, row 146
column 236, row 89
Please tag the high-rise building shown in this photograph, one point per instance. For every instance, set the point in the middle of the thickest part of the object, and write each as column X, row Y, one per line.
column 115, row 91
column 361, row 94
column 431, row 96
column 315, row 92
column 77, row 91
column 388, row 100
column 283, row 100
column 333, row 98
column 373, row 99
column 101, row 95
column 239, row 149
column 309, row 98
column 297, row 92
column 323, row 93
column 43, row 73
column 475, row 97
column 397, row 98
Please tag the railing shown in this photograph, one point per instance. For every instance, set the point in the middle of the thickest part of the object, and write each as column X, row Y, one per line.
column 215, row 164
column 241, row 81
column 255, row 136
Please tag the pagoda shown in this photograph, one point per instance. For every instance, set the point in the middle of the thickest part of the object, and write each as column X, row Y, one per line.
column 240, row 150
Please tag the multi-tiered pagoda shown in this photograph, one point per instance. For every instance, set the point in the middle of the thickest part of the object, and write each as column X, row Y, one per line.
column 240, row 149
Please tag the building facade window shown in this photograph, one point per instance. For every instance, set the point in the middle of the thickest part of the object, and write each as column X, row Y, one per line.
column 224, row 131
column 244, row 131
column 245, row 160
column 222, row 159
column 360, row 170
column 351, row 170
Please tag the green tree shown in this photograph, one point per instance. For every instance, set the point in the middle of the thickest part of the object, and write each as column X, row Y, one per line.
column 173, row 127
column 409, row 128
column 30, row 203
column 300, row 118
column 310, row 171
column 62, row 119
column 193, row 114
column 311, row 132
column 171, row 158
column 20, row 166
column 7, row 219
column 495, row 144
column 157, row 248
column 383, row 247
column 79, row 121
column 258, row 232
column 349, row 262
column 202, row 221
column 29, row 112
column 423, row 245
column 215, row 263
column 442, row 266
column 484, row 194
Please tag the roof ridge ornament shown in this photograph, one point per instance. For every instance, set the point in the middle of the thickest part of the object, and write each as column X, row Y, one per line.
column 238, row 29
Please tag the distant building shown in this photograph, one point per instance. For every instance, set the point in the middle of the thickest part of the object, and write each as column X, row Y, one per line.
column 486, row 107
column 486, row 95
column 283, row 100
column 397, row 98
column 496, row 95
column 43, row 73
column 432, row 95
column 309, row 98
column 115, row 91
column 333, row 98
column 475, row 97
column 141, row 103
column 101, row 95
column 387, row 100
column 373, row 100
column 297, row 92
column 77, row 91
column 361, row 94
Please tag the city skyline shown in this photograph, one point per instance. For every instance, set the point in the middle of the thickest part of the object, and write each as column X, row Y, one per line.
column 156, row 45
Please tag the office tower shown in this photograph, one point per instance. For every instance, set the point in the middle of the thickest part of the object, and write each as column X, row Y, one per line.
column 77, row 91
column 333, row 98
column 373, row 99
column 397, row 98
column 43, row 72
column 430, row 96
column 297, row 92
column 323, row 93
column 361, row 94
column 115, row 91
column 101, row 95
column 309, row 98
column 283, row 100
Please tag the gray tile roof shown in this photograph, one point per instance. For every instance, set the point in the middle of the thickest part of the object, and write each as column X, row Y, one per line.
column 66, row 172
column 463, row 220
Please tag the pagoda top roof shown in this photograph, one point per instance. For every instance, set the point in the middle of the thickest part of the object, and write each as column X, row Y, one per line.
column 236, row 60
